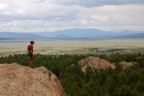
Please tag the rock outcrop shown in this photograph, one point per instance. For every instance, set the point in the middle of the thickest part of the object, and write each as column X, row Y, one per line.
column 125, row 64
column 95, row 62
column 17, row 80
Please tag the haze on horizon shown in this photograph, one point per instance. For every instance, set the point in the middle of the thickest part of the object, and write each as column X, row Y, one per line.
column 54, row 15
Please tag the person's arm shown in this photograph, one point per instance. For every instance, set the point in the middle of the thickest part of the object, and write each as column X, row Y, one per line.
column 31, row 52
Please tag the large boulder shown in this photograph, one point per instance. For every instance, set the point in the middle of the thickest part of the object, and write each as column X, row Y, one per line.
column 17, row 80
column 95, row 62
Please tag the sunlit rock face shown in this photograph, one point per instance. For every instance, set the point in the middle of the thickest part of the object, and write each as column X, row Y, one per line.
column 17, row 80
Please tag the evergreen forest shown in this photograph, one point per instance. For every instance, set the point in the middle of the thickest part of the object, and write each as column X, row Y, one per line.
column 98, row 82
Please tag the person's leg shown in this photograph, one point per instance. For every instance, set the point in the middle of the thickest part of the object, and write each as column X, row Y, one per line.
column 31, row 62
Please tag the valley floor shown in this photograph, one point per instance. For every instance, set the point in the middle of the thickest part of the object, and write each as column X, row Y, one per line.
column 79, row 46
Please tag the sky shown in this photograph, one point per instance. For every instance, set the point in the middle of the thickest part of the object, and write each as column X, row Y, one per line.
column 54, row 15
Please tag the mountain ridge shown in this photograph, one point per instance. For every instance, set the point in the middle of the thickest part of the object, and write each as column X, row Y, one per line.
column 73, row 34
column 17, row 35
column 79, row 33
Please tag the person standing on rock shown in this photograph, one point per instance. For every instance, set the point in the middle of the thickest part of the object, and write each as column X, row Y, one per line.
column 31, row 53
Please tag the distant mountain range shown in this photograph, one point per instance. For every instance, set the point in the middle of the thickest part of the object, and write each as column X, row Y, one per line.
column 138, row 35
column 15, row 35
column 79, row 33
column 72, row 34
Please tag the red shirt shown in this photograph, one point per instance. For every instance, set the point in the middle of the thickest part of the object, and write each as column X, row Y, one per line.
column 31, row 48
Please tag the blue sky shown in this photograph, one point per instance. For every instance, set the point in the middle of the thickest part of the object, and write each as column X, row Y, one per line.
column 53, row 15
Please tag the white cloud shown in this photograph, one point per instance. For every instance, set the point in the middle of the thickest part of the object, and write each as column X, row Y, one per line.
column 52, row 15
column 3, row 6
column 94, row 3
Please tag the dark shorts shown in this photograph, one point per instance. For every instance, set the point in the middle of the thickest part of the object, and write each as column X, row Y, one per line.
column 30, row 56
